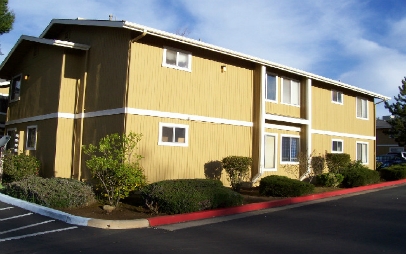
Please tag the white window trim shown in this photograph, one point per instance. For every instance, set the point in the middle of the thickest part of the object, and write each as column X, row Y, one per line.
column 26, row 138
column 342, row 145
column 356, row 108
column 288, row 136
column 282, row 102
column 276, row 151
column 11, row 88
column 342, row 97
column 356, row 151
column 164, row 64
column 186, row 127
column 276, row 88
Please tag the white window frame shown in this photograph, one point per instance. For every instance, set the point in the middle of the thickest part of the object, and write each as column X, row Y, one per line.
column 362, row 109
column 276, row 87
column 367, row 151
column 12, row 88
column 282, row 92
column 12, row 139
column 27, row 138
column 332, row 146
column 275, row 152
column 172, row 143
column 339, row 96
column 298, row 152
column 175, row 66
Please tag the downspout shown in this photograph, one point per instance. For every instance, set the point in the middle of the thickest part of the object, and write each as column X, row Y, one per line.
column 309, row 126
column 128, row 76
column 261, row 123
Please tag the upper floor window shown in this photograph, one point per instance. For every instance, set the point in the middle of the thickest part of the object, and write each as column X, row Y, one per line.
column 290, row 92
column 362, row 152
column 336, row 97
column 31, row 143
column 173, row 134
column 290, row 149
column 362, row 108
column 174, row 58
column 337, row 146
column 15, row 88
column 271, row 87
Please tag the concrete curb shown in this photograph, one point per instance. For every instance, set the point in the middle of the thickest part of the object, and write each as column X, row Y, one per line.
column 172, row 219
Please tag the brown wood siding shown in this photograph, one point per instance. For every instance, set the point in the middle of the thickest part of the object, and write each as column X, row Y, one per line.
column 322, row 144
column 208, row 144
column 106, row 66
column 205, row 91
column 39, row 94
column 328, row 116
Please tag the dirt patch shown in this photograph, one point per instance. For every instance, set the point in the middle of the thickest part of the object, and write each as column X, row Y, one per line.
column 133, row 208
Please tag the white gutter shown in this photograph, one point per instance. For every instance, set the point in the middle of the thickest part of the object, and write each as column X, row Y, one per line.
column 200, row 44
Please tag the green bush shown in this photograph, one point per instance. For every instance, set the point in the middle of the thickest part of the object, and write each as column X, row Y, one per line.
column 337, row 161
column 188, row 195
column 329, row 179
column 51, row 192
column 356, row 174
column 282, row 186
column 318, row 164
column 115, row 166
column 237, row 169
column 17, row 167
column 392, row 173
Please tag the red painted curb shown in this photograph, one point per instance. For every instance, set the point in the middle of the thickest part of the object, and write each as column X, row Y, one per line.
column 172, row 219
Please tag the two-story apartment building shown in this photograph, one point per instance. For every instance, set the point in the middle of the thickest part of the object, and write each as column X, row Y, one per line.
column 194, row 102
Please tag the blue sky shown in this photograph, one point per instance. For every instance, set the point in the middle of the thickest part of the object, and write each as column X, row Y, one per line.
column 361, row 43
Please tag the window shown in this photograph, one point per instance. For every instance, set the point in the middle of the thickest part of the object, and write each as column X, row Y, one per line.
column 270, row 87
column 173, row 134
column 13, row 142
column 177, row 59
column 337, row 97
column 337, row 146
column 290, row 92
column 270, row 151
column 290, row 149
column 362, row 152
column 15, row 88
column 31, row 143
column 362, row 108
column 396, row 149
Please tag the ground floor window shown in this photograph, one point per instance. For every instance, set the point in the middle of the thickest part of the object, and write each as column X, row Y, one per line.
column 31, row 143
column 269, row 151
column 173, row 134
column 290, row 149
column 362, row 152
column 337, row 146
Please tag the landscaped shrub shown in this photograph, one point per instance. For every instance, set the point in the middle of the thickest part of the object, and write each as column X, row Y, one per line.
column 356, row 174
column 51, row 192
column 115, row 166
column 392, row 173
column 318, row 164
column 237, row 169
column 17, row 167
column 329, row 179
column 188, row 195
column 337, row 161
column 282, row 186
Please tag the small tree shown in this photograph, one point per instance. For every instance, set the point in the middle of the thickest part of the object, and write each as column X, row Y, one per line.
column 237, row 169
column 398, row 111
column 16, row 167
column 115, row 166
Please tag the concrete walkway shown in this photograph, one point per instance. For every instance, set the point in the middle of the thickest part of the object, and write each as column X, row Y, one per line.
column 179, row 218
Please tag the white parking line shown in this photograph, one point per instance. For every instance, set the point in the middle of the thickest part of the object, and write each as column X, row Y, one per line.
column 13, row 217
column 6, row 208
column 28, row 226
column 35, row 234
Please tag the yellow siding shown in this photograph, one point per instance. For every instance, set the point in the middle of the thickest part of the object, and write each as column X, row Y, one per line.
column 328, row 116
column 208, row 143
column 64, row 146
column 205, row 91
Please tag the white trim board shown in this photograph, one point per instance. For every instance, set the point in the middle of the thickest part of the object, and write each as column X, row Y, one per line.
column 340, row 134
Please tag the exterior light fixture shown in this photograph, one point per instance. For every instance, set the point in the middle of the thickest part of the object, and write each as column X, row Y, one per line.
column 223, row 68
column 26, row 77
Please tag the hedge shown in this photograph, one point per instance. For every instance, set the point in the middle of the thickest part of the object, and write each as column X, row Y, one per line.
column 282, row 186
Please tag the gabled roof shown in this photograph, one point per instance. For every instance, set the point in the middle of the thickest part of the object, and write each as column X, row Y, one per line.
column 24, row 44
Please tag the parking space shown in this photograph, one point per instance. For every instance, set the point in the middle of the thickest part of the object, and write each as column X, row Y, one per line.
column 17, row 223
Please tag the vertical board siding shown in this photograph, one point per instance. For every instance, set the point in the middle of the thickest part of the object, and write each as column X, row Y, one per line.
column 207, row 143
column 64, row 146
column 339, row 118
column 205, row 91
